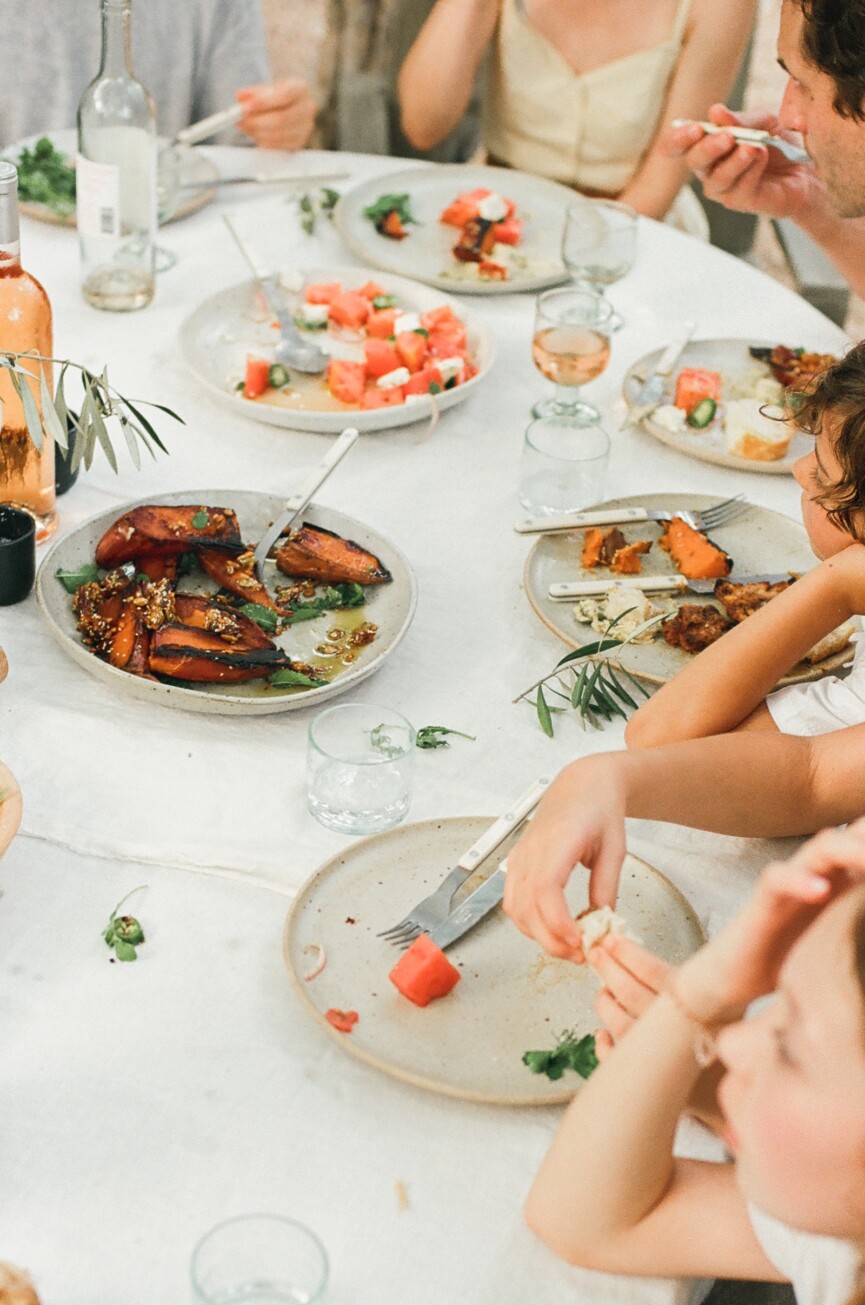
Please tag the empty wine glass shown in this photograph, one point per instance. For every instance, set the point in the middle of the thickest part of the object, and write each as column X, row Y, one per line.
column 599, row 244
column 570, row 346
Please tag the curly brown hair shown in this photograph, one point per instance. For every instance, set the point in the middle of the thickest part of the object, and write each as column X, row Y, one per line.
column 839, row 394
column 833, row 39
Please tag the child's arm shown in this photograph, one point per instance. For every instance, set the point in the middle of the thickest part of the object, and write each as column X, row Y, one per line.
column 729, row 681
column 755, row 785
column 610, row 1195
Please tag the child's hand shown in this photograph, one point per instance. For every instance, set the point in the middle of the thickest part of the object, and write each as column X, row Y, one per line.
column 581, row 820
column 10, row 807
column 632, row 978
column 744, row 960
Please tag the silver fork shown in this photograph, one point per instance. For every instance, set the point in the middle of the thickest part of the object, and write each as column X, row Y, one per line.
column 710, row 518
column 435, row 908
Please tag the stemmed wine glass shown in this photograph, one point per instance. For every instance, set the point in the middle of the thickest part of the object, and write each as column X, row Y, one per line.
column 570, row 346
column 599, row 244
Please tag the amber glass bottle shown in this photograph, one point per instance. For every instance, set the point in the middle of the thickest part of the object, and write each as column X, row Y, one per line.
column 26, row 475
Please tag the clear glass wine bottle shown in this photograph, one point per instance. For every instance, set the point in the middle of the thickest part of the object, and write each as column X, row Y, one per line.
column 26, row 473
column 116, row 174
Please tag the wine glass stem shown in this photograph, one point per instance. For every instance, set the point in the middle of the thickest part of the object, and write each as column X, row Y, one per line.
column 567, row 397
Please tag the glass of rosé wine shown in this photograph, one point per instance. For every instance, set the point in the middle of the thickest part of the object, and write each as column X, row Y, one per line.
column 571, row 346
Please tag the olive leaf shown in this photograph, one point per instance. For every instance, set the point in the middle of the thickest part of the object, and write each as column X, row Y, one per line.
column 589, row 681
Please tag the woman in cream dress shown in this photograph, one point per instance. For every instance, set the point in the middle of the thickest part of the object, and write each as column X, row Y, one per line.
column 577, row 90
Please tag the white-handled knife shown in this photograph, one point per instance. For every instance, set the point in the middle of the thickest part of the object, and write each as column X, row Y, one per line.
column 475, row 908
column 611, row 516
column 651, row 392
column 654, row 584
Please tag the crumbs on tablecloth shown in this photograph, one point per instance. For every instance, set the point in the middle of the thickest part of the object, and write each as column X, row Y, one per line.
column 402, row 1201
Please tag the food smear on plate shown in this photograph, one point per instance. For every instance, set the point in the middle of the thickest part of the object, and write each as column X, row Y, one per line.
column 423, row 973
column 381, row 355
column 172, row 594
column 625, row 605
column 342, row 1020
column 391, row 216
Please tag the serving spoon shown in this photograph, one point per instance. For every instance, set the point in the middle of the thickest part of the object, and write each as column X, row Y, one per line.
column 291, row 349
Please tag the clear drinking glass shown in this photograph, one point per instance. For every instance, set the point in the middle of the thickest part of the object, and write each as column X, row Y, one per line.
column 259, row 1259
column 599, row 244
column 359, row 766
column 570, row 346
column 563, row 468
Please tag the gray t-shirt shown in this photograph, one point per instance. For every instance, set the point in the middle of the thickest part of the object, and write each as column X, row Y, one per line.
column 191, row 55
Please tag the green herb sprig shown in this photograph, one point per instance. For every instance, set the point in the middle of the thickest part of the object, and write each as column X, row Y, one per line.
column 570, row 1052
column 432, row 736
column 124, row 933
column 314, row 204
column 89, row 425
column 401, row 204
column 332, row 598
column 45, row 176
column 595, row 688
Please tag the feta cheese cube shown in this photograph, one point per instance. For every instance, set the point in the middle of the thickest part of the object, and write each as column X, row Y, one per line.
column 399, row 376
column 493, row 208
column 312, row 314
column 406, row 322
column 449, row 367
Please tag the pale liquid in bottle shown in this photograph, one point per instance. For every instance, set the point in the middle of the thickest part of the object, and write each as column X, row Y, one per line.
column 26, row 474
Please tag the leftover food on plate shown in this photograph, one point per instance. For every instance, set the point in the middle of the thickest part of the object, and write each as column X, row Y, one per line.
column 625, row 605
column 595, row 925
column 793, row 368
column 489, row 229
column 694, row 626
column 693, row 553
column 391, row 215
column 610, row 548
column 381, row 354
column 135, row 608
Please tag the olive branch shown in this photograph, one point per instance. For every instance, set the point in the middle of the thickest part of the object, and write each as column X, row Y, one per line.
column 88, row 426
column 595, row 689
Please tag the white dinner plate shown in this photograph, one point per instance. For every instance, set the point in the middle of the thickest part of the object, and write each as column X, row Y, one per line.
column 197, row 175
column 217, row 336
column 732, row 359
column 389, row 606
column 426, row 253
column 759, row 541
column 512, row 996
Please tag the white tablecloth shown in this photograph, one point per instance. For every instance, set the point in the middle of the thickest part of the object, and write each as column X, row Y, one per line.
column 142, row 1103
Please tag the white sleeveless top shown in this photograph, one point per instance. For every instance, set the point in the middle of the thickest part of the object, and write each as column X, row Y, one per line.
column 589, row 130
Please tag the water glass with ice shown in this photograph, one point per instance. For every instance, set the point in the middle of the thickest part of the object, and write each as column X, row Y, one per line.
column 360, row 762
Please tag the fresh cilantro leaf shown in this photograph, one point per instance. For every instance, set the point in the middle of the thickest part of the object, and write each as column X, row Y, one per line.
column 73, row 580
column 570, row 1052
column 388, row 204
column 432, row 736
column 294, row 679
column 124, row 951
column 263, row 616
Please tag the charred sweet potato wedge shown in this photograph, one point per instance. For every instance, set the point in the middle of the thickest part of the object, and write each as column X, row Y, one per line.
column 157, row 568
column 155, row 530
column 695, row 556
column 237, row 575
column 110, row 616
column 312, row 553
column 234, row 629
column 184, row 653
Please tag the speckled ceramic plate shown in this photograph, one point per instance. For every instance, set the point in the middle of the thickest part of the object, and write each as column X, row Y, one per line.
column 732, row 359
column 512, row 997
column 759, row 541
column 426, row 255
column 389, row 606
column 197, row 175
column 217, row 336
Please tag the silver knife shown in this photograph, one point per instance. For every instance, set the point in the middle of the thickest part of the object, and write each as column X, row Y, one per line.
column 655, row 584
column 266, row 179
column 302, row 498
column 475, row 908
column 751, row 136
column 651, row 392
column 610, row 516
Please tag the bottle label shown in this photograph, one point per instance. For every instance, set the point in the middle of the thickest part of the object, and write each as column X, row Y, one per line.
column 97, row 190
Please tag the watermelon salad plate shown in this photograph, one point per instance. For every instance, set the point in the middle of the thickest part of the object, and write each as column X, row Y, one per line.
column 398, row 352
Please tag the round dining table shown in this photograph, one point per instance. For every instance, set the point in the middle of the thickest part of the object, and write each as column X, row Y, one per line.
column 142, row 1103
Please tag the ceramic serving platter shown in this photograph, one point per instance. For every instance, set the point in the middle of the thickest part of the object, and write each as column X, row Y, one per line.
column 389, row 606
column 426, row 252
column 732, row 359
column 512, row 997
column 197, row 175
column 759, row 541
column 217, row 336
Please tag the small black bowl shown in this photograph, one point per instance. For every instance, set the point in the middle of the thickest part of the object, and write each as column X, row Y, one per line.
column 17, row 554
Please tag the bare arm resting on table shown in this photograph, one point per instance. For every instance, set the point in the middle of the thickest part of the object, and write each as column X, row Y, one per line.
column 437, row 77
column 758, row 785
column 725, row 683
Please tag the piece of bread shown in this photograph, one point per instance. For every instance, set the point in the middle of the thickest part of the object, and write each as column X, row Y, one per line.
column 832, row 643
column 755, row 431
column 595, row 925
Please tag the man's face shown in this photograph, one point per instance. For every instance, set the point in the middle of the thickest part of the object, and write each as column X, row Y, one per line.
column 836, row 144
